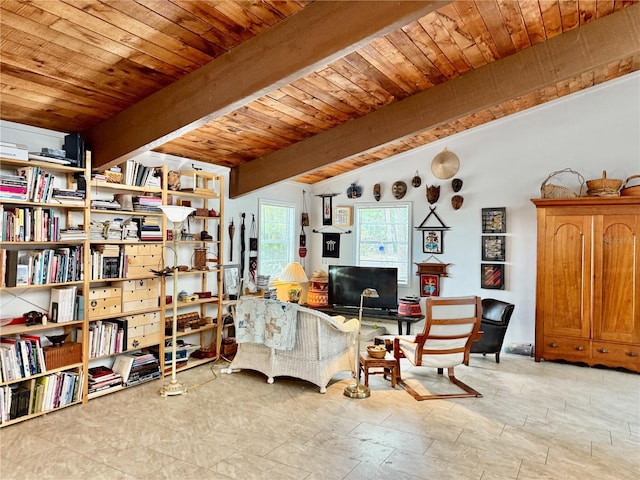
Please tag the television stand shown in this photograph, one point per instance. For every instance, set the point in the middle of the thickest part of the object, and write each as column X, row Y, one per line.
column 375, row 315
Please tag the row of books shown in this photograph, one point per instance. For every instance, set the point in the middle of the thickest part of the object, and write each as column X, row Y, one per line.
column 147, row 204
column 21, row 357
column 49, row 392
column 63, row 304
column 107, row 337
column 150, row 229
column 29, row 224
column 108, row 261
column 140, row 175
column 38, row 184
column 41, row 267
column 137, row 368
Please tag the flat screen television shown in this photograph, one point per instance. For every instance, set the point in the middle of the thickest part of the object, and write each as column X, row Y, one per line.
column 346, row 284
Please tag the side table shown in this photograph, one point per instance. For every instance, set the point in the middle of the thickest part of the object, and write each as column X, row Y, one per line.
column 388, row 366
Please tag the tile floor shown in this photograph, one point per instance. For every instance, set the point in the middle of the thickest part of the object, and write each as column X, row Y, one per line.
column 535, row 421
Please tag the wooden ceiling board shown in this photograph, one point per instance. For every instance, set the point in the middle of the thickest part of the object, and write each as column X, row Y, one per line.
column 272, row 77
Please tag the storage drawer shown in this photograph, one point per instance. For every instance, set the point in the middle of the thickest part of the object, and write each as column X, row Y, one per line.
column 135, row 285
column 613, row 354
column 142, row 319
column 567, row 348
column 136, row 271
column 143, row 304
column 105, row 306
column 104, row 292
column 150, row 249
column 142, row 340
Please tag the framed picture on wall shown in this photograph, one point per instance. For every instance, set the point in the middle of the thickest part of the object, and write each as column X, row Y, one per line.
column 492, row 276
column 494, row 220
column 231, row 281
column 493, row 248
column 429, row 285
column 342, row 216
column 432, row 241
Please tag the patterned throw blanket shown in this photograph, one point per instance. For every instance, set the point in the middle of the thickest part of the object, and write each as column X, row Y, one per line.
column 267, row 322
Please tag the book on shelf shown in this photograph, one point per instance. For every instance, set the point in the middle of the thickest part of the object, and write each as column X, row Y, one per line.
column 122, row 365
column 62, row 304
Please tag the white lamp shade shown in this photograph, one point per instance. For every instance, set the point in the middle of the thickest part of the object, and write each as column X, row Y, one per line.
column 175, row 213
column 370, row 293
column 293, row 273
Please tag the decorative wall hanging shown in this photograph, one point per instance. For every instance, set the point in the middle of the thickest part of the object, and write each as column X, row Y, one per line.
column 330, row 245
column 433, row 193
column 399, row 189
column 342, row 216
column 305, row 216
column 494, row 220
column 456, row 201
column 354, row 191
column 445, row 164
column 492, row 276
column 456, row 184
column 253, row 249
column 243, row 246
column 232, row 232
column 429, row 285
column 416, row 181
column 326, row 207
column 493, row 248
column 326, row 210
column 432, row 241
column 432, row 235
column 376, row 192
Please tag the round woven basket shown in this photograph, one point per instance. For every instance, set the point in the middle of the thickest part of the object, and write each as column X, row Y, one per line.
column 553, row 190
column 603, row 187
column 633, row 191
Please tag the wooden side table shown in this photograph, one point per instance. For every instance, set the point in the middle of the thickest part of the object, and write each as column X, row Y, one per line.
column 388, row 366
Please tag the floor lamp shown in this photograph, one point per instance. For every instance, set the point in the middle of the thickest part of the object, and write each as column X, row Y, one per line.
column 177, row 215
column 358, row 390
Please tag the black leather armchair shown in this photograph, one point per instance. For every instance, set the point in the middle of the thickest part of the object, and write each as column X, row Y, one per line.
column 496, row 315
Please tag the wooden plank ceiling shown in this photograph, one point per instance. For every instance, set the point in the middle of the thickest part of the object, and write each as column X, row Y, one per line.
column 365, row 93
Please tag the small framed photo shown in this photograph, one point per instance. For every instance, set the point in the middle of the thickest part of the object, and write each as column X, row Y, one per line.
column 493, row 248
column 231, row 281
column 342, row 216
column 432, row 241
column 326, row 211
column 494, row 220
column 429, row 285
column 492, row 276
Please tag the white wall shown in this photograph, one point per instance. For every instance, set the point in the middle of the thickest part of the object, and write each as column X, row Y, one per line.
column 502, row 164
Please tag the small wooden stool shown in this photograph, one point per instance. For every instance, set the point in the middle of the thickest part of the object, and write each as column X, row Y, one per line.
column 387, row 364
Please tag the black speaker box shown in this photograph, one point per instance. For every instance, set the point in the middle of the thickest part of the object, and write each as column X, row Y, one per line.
column 75, row 148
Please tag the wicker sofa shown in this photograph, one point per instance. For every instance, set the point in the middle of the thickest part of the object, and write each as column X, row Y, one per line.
column 323, row 346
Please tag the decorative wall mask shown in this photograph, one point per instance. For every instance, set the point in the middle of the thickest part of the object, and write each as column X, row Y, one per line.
column 416, row 181
column 456, row 201
column 354, row 191
column 433, row 193
column 399, row 189
column 456, row 184
column 376, row 192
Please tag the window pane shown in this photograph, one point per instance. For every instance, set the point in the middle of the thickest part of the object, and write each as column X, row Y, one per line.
column 383, row 235
column 275, row 238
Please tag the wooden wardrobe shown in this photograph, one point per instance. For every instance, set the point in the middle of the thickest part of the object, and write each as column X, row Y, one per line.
column 588, row 281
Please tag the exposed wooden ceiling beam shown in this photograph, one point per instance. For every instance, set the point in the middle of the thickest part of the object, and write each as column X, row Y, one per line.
column 317, row 35
column 612, row 38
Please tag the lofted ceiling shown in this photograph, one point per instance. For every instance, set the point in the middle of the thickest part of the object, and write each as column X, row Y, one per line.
column 299, row 89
